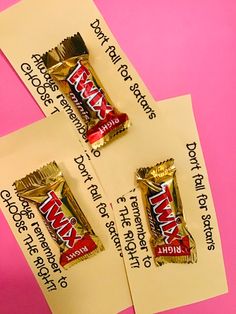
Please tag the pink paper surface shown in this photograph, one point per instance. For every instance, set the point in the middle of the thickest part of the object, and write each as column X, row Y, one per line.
column 178, row 47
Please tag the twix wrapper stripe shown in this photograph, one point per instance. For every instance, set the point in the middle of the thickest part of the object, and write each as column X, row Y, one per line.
column 61, row 213
column 170, row 240
column 69, row 66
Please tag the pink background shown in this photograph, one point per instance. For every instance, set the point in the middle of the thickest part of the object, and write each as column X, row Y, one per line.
column 178, row 47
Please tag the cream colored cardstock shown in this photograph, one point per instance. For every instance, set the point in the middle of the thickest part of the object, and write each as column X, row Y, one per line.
column 160, row 288
column 158, row 132
column 96, row 285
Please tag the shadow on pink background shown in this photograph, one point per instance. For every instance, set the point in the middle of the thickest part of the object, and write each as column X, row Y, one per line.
column 177, row 47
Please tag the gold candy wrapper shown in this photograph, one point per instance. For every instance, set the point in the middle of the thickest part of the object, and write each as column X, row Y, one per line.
column 170, row 240
column 61, row 213
column 68, row 64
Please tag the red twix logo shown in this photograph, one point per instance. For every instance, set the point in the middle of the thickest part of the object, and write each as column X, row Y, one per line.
column 160, row 203
column 89, row 91
column 51, row 210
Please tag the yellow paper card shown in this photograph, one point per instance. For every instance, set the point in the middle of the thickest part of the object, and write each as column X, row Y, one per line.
column 170, row 285
column 95, row 285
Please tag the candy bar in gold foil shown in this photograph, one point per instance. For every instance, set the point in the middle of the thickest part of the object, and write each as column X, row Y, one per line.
column 170, row 240
column 61, row 213
column 68, row 64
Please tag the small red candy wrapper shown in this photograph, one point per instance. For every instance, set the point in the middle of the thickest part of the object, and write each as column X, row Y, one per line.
column 68, row 64
column 170, row 240
column 61, row 213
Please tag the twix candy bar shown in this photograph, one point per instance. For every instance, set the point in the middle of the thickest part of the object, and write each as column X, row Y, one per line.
column 170, row 240
column 61, row 213
column 68, row 64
